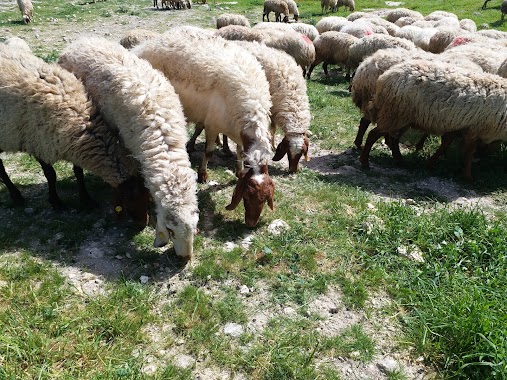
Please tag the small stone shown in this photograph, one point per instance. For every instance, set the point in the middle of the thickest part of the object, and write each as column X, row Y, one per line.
column 233, row 329
column 370, row 206
column 355, row 354
column 29, row 210
column 229, row 246
column 119, row 257
column 213, row 183
column 277, row 227
column 387, row 365
column 128, row 255
column 144, row 279
column 244, row 290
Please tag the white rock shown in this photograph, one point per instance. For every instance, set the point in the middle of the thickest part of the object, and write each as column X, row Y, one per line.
column 247, row 241
column 387, row 365
column 184, row 361
column 244, row 289
column 277, row 227
column 144, row 279
column 229, row 246
column 233, row 329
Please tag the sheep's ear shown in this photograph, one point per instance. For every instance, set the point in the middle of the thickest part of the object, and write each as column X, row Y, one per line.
column 281, row 149
column 237, row 196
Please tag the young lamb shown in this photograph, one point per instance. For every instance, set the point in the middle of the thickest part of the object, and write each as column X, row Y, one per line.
column 231, row 19
column 331, row 48
column 62, row 124
column 26, row 8
column 134, row 37
column 223, row 87
column 277, row 6
column 141, row 102
column 439, row 98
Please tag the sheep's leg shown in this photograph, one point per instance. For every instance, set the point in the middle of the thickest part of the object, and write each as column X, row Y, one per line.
column 225, row 146
column 361, row 130
column 312, row 66
column 50, row 174
column 324, row 66
column 373, row 136
column 420, row 143
column 15, row 194
column 240, row 158
column 202, row 175
column 84, row 196
column 484, row 5
column 446, row 141
column 393, row 142
column 469, row 148
column 191, row 143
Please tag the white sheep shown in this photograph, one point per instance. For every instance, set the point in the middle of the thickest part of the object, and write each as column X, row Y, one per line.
column 438, row 15
column 293, row 9
column 346, row 4
column 240, row 33
column 141, row 102
column 366, row 46
column 326, row 24
column 328, row 5
column 134, row 37
column 332, row 48
column 389, row 26
column 308, row 30
column 26, row 8
column 489, row 58
column 397, row 13
column 468, row 25
column 225, row 88
column 231, row 19
column 439, row 98
column 45, row 111
column 359, row 28
column 278, row 7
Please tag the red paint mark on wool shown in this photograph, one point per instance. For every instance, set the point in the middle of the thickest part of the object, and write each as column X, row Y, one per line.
column 460, row 41
column 307, row 40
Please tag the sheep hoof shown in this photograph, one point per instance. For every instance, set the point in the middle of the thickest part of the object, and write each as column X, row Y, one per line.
column 202, row 177
column 365, row 165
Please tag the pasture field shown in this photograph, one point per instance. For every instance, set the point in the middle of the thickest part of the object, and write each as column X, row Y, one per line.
column 391, row 273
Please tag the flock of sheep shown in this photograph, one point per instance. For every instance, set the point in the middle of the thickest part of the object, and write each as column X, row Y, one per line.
column 121, row 109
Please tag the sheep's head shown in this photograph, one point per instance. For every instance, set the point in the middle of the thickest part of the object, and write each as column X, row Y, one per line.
column 255, row 187
column 294, row 146
column 132, row 198
column 26, row 19
column 179, row 228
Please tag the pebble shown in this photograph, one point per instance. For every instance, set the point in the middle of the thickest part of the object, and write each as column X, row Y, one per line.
column 29, row 210
column 387, row 365
column 144, row 279
column 277, row 227
column 244, row 290
column 233, row 329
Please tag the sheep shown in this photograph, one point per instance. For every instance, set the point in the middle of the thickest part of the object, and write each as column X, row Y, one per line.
column 293, row 9
column 441, row 39
column 447, row 22
column 297, row 45
column 325, row 24
column 332, row 48
column 290, row 110
column 357, row 15
column 439, row 98
column 277, row 6
column 241, row 33
column 18, row 44
column 404, row 21
column 62, row 124
column 26, row 8
column 389, row 26
column 358, row 28
column 327, row 5
column 143, row 104
column 489, row 59
column 395, row 14
column 502, row 70
column 308, row 30
column 192, row 32
column 468, row 25
column 134, row 37
column 503, row 9
column 225, row 88
column 231, row 19
column 494, row 34
column 366, row 46
column 346, row 3
column 438, row 15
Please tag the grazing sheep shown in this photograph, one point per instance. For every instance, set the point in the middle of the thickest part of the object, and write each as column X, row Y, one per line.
column 308, row 30
column 225, row 88
column 488, row 58
column 358, row 28
column 26, row 8
column 326, row 24
column 405, row 20
column 62, row 124
column 438, row 15
column 468, row 25
column 366, row 46
column 134, row 37
column 357, row 15
column 293, row 9
column 231, row 19
column 142, row 103
column 240, row 33
column 439, row 98
column 17, row 44
column 328, row 5
column 441, row 39
column 346, row 3
column 332, row 48
column 397, row 13
column 389, row 26
column 278, row 7
column 192, row 32
column 290, row 110
column 492, row 33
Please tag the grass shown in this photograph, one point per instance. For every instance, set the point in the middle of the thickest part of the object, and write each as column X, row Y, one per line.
column 345, row 237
